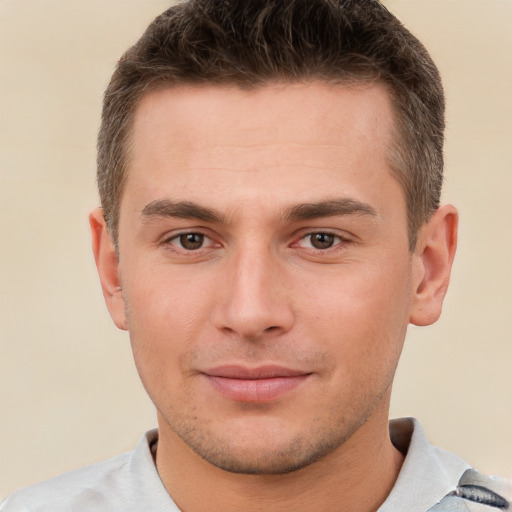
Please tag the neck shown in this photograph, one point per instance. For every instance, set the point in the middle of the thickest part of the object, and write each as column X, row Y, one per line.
column 358, row 475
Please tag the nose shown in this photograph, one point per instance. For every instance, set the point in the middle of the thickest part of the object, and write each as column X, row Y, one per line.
column 255, row 299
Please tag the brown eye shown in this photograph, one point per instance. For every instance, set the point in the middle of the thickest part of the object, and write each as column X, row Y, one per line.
column 322, row 240
column 191, row 241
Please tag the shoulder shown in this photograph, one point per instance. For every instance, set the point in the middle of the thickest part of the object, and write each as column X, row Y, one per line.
column 126, row 482
column 438, row 481
column 83, row 489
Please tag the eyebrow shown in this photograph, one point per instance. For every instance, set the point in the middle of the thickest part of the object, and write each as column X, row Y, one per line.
column 330, row 208
column 303, row 211
column 182, row 210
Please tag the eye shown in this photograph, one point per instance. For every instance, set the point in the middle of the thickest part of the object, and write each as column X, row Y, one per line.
column 320, row 240
column 189, row 241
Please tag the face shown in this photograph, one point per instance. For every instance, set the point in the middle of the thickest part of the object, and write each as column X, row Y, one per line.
column 266, row 277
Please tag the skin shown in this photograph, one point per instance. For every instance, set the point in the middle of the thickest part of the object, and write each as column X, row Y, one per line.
column 265, row 278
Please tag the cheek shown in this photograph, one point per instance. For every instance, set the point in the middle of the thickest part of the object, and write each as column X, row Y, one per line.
column 160, row 297
column 165, row 317
column 360, row 316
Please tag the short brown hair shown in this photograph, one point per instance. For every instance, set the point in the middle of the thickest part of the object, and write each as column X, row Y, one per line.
column 252, row 42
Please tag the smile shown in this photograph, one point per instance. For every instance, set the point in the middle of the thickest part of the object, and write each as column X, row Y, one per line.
column 254, row 385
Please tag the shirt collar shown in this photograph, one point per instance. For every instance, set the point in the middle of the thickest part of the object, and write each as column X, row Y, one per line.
column 428, row 473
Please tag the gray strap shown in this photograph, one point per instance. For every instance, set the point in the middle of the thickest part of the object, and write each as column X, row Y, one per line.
column 481, row 495
column 476, row 493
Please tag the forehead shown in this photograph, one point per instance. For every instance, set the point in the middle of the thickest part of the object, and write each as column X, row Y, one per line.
column 280, row 108
column 293, row 138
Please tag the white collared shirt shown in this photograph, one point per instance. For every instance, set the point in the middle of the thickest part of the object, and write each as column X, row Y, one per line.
column 130, row 482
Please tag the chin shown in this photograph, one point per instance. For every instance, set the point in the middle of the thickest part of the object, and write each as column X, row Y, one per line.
column 265, row 453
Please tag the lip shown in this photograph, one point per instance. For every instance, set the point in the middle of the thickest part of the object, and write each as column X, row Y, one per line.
column 255, row 385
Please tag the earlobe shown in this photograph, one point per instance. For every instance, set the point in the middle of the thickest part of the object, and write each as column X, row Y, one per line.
column 107, row 264
column 432, row 263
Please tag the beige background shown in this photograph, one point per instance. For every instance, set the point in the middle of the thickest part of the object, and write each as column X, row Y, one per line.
column 69, row 394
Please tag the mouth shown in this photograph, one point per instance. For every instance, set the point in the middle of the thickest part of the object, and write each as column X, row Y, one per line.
column 255, row 385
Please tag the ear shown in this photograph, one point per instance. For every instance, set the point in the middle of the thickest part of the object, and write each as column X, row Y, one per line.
column 107, row 264
column 432, row 263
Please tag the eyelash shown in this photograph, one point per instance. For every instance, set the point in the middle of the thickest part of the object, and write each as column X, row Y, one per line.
column 180, row 238
column 337, row 241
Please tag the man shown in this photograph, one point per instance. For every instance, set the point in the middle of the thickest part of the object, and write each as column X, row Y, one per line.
column 270, row 174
